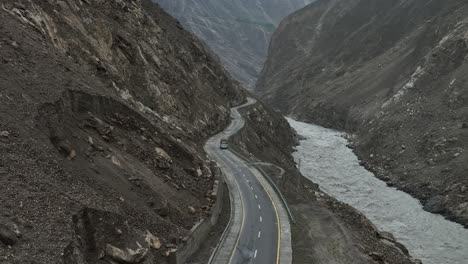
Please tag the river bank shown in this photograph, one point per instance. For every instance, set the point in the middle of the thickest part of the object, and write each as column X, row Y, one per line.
column 327, row 161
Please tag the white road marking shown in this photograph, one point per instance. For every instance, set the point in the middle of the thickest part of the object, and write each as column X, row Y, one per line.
column 261, row 219
column 259, row 207
column 256, row 197
column 251, row 188
column 255, row 255
column 259, row 234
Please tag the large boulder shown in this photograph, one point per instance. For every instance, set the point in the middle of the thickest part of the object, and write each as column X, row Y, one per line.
column 7, row 236
column 164, row 160
column 126, row 256
column 152, row 241
column 4, row 134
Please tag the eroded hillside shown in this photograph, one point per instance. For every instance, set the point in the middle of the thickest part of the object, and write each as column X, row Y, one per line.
column 393, row 72
column 104, row 108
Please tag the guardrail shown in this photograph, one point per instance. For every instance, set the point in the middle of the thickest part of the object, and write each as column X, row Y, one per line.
column 275, row 187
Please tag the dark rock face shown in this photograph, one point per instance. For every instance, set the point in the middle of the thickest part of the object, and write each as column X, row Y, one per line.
column 394, row 74
column 237, row 31
column 103, row 105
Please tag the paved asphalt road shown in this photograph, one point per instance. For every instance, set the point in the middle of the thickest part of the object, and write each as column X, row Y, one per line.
column 255, row 238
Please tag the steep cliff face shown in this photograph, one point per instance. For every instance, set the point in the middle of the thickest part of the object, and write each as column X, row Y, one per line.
column 394, row 72
column 237, row 31
column 104, row 108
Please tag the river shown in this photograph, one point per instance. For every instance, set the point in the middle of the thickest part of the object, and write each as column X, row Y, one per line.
column 327, row 161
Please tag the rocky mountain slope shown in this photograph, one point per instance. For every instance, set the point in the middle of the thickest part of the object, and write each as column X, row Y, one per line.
column 104, row 109
column 392, row 72
column 237, row 31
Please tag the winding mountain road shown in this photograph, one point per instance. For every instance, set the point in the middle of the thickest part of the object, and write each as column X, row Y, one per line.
column 259, row 229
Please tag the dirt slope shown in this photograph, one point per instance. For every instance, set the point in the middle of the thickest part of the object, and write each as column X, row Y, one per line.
column 392, row 72
column 104, row 108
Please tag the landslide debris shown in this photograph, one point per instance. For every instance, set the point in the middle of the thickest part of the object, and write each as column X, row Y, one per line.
column 104, row 109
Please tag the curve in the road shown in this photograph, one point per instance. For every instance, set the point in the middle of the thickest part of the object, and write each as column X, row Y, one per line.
column 259, row 229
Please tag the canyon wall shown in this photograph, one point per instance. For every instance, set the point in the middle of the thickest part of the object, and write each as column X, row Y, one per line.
column 393, row 73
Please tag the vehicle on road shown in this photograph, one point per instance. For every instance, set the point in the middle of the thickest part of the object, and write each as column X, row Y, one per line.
column 223, row 144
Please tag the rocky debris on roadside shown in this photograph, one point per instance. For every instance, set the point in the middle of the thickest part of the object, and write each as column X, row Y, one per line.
column 214, row 192
column 113, row 237
column 126, row 255
column 206, row 170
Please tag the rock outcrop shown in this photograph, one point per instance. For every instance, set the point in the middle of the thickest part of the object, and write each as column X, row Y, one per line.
column 393, row 73
column 237, row 31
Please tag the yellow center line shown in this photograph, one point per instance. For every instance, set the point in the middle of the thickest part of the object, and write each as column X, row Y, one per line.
column 277, row 219
column 274, row 207
column 250, row 101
